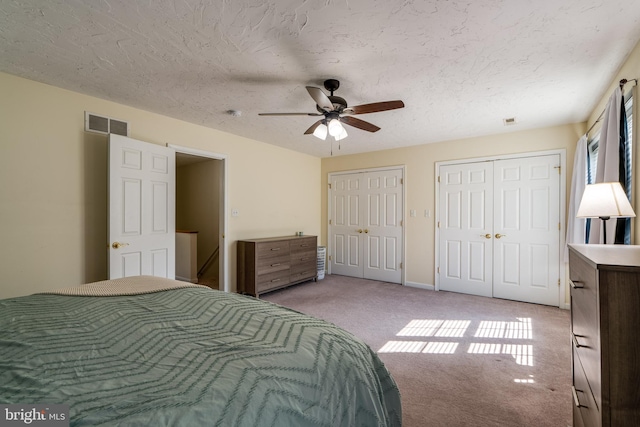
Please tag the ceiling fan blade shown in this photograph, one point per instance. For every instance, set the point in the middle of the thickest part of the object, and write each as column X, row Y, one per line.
column 360, row 124
column 313, row 127
column 290, row 114
column 321, row 98
column 374, row 107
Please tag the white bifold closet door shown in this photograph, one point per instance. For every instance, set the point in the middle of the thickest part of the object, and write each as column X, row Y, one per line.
column 499, row 228
column 365, row 228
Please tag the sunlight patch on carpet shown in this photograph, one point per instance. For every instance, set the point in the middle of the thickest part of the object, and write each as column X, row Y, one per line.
column 512, row 330
column 434, row 327
column 488, row 330
column 436, row 347
column 523, row 354
column 403, row 347
column 441, row 348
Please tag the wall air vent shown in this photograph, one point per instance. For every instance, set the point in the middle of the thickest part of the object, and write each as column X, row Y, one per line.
column 510, row 121
column 104, row 125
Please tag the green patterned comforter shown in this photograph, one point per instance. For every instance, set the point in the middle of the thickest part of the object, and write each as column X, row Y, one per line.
column 189, row 357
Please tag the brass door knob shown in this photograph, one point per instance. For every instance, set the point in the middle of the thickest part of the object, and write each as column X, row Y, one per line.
column 359, row 230
column 118, row 245
column 486, row 236
column 500, row 235
column 366, row 231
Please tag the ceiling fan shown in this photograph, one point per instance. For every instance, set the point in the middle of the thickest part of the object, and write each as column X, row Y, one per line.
column 336, row 112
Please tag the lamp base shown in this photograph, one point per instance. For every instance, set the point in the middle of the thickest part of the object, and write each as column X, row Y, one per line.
column 604, row 220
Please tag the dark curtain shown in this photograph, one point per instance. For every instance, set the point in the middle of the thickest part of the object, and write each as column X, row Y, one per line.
column 623, row 226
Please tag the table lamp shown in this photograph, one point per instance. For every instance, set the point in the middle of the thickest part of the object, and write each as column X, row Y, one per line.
column 605, row 200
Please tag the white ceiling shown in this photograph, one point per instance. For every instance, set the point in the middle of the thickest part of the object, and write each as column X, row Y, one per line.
column 460, row 67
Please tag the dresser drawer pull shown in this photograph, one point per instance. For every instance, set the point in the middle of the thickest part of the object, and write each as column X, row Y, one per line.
column 275, row 280
column 275, row 265
column 575, row 397
column 575, row 341
column 576, row 284
column 275, row 249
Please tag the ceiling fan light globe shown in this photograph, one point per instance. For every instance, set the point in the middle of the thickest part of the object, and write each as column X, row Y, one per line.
column 342, row 135
column 321, row 131
column 335, row 128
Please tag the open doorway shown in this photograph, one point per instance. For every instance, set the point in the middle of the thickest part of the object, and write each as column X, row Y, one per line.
column 200, row 219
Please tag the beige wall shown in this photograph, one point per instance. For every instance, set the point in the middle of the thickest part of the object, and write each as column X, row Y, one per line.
column 53, row 185
column 420, row 180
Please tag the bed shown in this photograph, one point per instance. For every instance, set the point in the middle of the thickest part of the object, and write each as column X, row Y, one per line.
column 150, row 351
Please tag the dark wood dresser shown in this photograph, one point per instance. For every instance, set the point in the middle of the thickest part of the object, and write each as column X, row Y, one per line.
column 272, row 263
column 605, row 328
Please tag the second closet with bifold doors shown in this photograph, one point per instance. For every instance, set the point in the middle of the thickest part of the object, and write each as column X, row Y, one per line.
column 498, row 228
column 365, row 224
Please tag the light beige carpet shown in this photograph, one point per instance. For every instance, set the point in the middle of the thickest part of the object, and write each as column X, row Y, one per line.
column 459, row 360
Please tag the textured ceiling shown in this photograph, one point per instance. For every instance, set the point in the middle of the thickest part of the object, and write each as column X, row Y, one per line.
column 460, row 67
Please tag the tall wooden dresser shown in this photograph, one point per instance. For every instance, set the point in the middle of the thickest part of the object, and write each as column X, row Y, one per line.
column 272, row 263
column 605, row 328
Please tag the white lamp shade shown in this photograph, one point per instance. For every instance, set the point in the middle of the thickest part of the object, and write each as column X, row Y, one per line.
column 321, row 131
column 342, row 135
column 335, row 128
column 604, row 200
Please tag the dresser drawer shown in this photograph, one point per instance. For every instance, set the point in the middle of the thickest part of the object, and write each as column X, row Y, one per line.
column 305, row 257
column 584, row 406
column 275, row 263
column 586, row 338
column 267, row 250
column 303, row 275
column 307, row 265
column 273, row 280
column 577, row 417
column 304, row 244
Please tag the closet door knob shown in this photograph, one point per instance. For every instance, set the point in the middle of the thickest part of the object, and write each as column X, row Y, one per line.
column 359, row 230
column 486, row 236
column 500, row 235
column 118, row 245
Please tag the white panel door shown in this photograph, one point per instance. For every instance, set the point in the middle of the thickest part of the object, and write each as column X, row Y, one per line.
column 383, row 226
column 466, row 228
column 366, row 225
column 499, row 229
column 346, row 225
column 526, row 229
column 141, row 208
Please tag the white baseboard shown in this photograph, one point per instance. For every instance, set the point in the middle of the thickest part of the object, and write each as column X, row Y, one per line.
column 420, row 285
column 566, row 306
